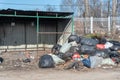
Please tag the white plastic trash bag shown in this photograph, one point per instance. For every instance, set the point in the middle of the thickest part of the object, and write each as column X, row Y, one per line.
column 95, row 61
column 107, row 61
column 65, row 47
column 73, row 43
column 108, row 45
column 56, row 59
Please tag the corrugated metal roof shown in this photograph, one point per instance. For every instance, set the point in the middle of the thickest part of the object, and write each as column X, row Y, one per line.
column 33, row 13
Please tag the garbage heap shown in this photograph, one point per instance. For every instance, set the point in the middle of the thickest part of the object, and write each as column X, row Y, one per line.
column 92, row 52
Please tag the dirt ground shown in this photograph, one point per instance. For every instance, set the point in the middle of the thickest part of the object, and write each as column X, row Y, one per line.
column 52, row 74
column 14, row 69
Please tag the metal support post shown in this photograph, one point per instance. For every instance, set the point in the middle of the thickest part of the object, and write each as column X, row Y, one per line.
column 72, row 24
column 37, row 32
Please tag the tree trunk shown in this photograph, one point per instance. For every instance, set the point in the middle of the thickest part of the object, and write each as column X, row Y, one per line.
column 86, row 15
column 114, row 6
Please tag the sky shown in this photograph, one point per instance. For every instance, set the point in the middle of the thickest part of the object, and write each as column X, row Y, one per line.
column 5, row 4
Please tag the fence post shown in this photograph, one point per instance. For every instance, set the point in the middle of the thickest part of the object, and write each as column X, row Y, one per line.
column 91, row 25
column 109, row 28
column 72, row 31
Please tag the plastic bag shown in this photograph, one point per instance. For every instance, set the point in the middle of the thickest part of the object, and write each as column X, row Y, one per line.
column 73, row 43
column 1, row 60
column 108, row 45
column 86, row 62
column 56, row 48
column 87, row 49
column 89, row 41
column 46, row 61
column 102, row 41
column 115, row 48
column 65, row 47
column 66, row 56
column 72, row 38
column 114, row 54
column 102, row 53
column 95, row 61
column 115, row 42
column 100, row 46
column 56, row 59
column 107, row 61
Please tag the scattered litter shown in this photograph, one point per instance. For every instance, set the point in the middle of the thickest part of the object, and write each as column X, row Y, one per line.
column 1, row 60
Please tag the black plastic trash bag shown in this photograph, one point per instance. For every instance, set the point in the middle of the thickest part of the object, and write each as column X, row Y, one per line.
column 89, row 41
column 115, row 42
column 115, row 48
column 87, row 49
column 72, row 38
column 102, row 41
column 46, row 61
column 73, row 49
column 1, row 60
column 65, row 56
column 56, row 48
column 102, row 53
column 60, row 55
column 114, row 54
column 27, row 60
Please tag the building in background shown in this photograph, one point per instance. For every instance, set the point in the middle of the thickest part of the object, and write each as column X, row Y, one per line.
column 32, row 29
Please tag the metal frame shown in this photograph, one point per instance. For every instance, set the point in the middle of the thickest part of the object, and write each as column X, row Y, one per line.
column 37, row 17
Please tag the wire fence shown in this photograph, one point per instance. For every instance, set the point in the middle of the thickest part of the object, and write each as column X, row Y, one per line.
column 66, row 33
column 98, row 25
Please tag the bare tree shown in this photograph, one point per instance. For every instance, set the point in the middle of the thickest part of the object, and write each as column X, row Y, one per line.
column 68, row 5
column 95, row 8
column 86, row 8
column 118, row 7
column 108, row 3
column 86, row 15
column 114, row 5
column 80, row 8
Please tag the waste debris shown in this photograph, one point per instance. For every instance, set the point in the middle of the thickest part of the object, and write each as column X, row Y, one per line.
column 92, row 51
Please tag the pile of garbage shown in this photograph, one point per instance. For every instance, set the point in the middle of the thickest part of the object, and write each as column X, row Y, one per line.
column 92, row 52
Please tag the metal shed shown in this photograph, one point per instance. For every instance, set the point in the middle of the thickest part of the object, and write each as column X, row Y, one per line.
column 21, row 29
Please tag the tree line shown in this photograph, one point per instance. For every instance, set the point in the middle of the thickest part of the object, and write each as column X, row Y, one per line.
column 88, row 8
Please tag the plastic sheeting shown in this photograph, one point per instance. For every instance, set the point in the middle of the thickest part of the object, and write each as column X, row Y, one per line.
column 56, row 59
column 65, row 47
column 95, row 61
